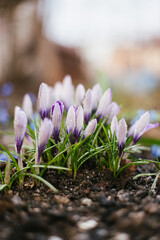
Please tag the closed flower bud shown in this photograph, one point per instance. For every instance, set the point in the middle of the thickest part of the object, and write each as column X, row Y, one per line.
column 67, row 92
column 79, row 121
column 80, row 93
column 27, row 106
column 58, row 89
column 114, row 109
column 91, row 127
column 44, row 100
column 45, row 132
column 87, row 105
column 56, row 116
column 96, row 95
column 114, row 126
column 104, row 103
column 20, row 126
column 71, row 120
column 141, row 126
column 121, row 135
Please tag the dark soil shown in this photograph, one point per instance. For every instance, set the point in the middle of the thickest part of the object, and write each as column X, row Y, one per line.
column 92, row 207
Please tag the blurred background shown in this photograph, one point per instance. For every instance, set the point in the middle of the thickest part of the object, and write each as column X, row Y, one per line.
column 114, row 42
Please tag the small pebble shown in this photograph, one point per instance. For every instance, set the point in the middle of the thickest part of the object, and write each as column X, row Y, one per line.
column 87, row 225
column 101, row 233
column 154, row 238
column 61, row 199
column 151, row 208
column 86, row 201
column 18, row 202
column 123, row 196
column 121, row 236
column 141, row 194
column 82, row 236
column 54, row 238
column 104, row 202
column 137, row 217
column 95, row 188
column 158, row 198
column 35, row 210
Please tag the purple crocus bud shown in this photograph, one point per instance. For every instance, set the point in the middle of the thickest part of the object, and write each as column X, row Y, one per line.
column 96, row 95
column 27, row 106
column 71, row 119
column 80, row 93
column 79, row 122
column 87, row 105
column 141, row 126
column 104, row 104
column 121, row 135
column 68, row 92
column 91, row 127
column 45, row 132
column 114, row 109
column 56, row 117
column 44, row 100
column 114, row 126
column 20, row 126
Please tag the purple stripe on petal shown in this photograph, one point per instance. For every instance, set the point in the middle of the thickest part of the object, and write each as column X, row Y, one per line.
column 121, row 147
column 40, row 151
column 87, row 118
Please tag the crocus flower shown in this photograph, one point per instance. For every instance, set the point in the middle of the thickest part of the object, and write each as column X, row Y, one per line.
column 121, row 135
column 71, row 119
column 91, row 127
column 27, row 106
column 45, row 132
column 58, row 89
column 44, row 100
column 114, row 109
column 114, row 126
column 56, row 117
column 87, row 105
column 79, row 122
column 96, row 95
column 80, row 93
column 67, row 92
column 104, row 104
column 141, row 126
column 20, row 126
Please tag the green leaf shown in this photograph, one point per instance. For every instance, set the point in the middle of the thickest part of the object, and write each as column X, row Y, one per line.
column 40, row 179
column 144, row 175
column 10, row 155
column 3, row 186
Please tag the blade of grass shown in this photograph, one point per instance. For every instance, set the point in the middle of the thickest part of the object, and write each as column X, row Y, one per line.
column 38, row 178
column 3, row 186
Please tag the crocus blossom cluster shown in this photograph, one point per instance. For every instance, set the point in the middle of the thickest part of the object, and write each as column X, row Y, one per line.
column 79, row 112
column 79, row 105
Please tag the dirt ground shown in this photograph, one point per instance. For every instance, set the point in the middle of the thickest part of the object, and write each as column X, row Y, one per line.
column 92, row 207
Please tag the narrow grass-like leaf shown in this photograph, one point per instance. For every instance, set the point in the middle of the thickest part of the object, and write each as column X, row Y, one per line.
column 10, row 155
column 140, row 162
column 1, row 177
column 144, row 175
column 3, row 186
column 38, row 178
column 155, row 182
